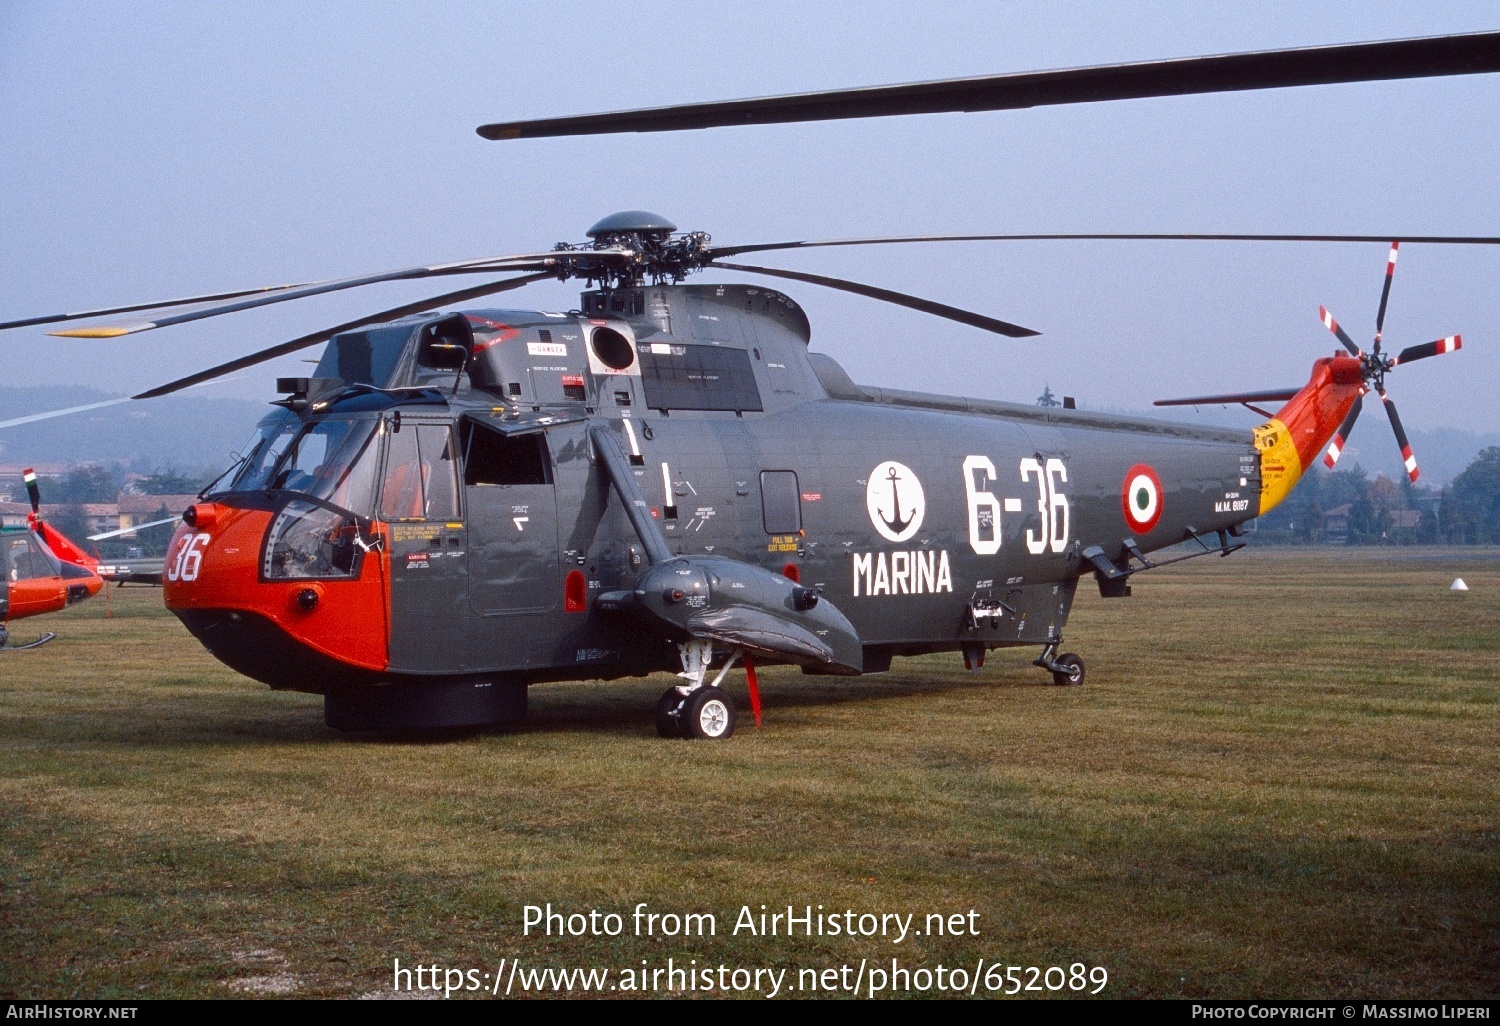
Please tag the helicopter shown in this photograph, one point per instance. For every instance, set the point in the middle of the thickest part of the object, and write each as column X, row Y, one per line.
column 453, row 506
column 42, row 570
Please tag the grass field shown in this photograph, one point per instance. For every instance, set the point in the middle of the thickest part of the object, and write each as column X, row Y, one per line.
column 1281, row 779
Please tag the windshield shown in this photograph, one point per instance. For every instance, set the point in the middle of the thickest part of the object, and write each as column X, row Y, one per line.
column 259, row 455
column 335, row 460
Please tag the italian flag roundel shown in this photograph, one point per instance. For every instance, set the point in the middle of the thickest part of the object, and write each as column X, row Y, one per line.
column 1141, row 498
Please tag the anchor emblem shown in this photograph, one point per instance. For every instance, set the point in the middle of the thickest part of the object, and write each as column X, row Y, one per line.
column 895, row 523
column 895, row 501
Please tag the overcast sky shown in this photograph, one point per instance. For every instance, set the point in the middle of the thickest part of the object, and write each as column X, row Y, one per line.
column 154, row 150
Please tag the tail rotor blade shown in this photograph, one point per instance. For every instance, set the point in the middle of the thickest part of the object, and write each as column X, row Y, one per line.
column 32, row 491
column 1443, row 345
column 1407, row 457
column 1343, row 336
column 1385, row 291
column 1336, row 447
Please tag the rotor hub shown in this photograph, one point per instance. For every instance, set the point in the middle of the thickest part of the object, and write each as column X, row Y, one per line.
column 633, row 246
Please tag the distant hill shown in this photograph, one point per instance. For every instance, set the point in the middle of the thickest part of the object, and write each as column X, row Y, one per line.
column 158, row 434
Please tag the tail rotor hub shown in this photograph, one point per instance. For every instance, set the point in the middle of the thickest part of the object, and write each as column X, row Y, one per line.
column 1375, row 365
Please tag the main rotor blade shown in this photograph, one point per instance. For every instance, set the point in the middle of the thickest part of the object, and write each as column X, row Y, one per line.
column 1385, row 290
column 1333, row 326
column 34, row 417
column 323, row 336
column 952, row 313
column 1341, row 438
column 132, row 308
column 1474, row 53
column 1407, row 457
column 520, row 262
column 1426, row 349
column 1274, row 395
column 132, row 529
column 764, row 247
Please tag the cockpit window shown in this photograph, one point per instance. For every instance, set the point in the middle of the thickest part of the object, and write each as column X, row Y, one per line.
column 27, row 561
column 259, row 456
column 336, row 459
column 333, row 459
column 421, row 480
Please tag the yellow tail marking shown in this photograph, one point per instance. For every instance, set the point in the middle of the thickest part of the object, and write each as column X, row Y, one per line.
column 1280, row 466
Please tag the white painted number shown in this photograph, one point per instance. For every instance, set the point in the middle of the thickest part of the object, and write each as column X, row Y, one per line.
column 1058, row 504
column 1051, row 506
column 984, row 508
column 1036, row 542
column 189, row 559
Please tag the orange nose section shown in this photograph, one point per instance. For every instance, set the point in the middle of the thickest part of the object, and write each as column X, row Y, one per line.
column 215, row 582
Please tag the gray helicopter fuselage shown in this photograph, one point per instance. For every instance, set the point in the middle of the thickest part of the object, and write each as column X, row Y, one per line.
column 932, row 523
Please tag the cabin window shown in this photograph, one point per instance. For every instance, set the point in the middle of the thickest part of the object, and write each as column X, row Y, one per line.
column 421, row 474
column 440, row 466
column 26, row 560
column 780, row 502
column 401, row 497
column 698, row 378
column 491, row 458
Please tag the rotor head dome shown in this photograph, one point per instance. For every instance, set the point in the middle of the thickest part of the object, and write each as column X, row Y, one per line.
column 640, row 221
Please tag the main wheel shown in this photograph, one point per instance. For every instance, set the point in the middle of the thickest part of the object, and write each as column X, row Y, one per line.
column 1074, row 675
column 669, row 714
column 709, row 714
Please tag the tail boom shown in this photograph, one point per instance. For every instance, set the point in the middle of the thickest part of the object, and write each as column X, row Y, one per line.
column 1289, row 442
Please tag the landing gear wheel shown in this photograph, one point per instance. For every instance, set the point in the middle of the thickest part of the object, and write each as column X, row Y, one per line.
column 708, row 714
column 1074, row 675
column 669, row 714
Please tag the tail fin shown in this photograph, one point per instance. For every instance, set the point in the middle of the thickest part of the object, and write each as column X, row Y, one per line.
column 1290, row 441
column 61, row 547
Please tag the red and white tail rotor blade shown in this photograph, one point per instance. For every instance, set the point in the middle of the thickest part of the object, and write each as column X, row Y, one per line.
column 1407, row 457
column 1451, row 344
column 1336, row 447
column 1343, row 336
column 1385, row 291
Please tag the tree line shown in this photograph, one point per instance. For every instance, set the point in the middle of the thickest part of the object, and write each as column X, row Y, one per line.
column 1384, row 512
column 101, row 483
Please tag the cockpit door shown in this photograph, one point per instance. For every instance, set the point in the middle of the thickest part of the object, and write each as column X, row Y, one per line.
column 419, row 500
